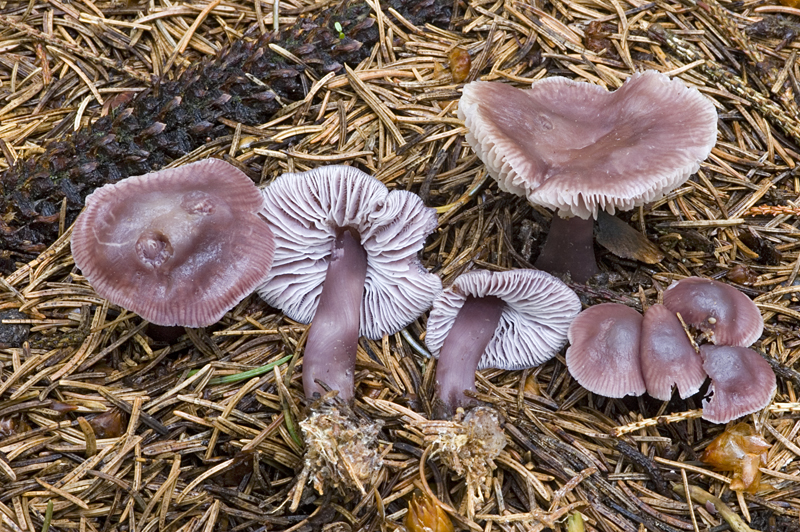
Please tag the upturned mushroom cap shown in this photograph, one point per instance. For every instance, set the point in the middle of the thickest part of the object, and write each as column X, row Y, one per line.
column 725, row 314
column 533, row 326
column 742, row 382
column 180, row 246
column 667, row 356
column 603, row 355
column 577, row 148
column 306, row 211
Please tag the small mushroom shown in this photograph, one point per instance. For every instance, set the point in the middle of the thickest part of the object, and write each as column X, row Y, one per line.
column 742, row 382
column 724, row 314
column 346, row 261
column 667, row 356
column 180, row 246
column 603, row 355
column 576, row 148
column 507, row 320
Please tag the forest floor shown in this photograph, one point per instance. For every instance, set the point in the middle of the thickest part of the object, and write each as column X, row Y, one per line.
column 102, row 428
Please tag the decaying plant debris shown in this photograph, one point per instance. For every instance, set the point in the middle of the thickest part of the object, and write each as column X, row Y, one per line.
column 208, row 434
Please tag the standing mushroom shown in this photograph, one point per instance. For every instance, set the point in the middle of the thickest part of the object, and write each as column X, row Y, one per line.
column 346, row 261
column 576, row 148
column 180, row 246
column 508, row 320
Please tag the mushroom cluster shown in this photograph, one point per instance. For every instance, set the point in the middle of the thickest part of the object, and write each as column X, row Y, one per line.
column 180, row 246
column 578, row 149
column 615, row 352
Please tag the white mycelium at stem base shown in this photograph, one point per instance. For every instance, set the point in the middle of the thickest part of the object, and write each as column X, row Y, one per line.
column 319, row 218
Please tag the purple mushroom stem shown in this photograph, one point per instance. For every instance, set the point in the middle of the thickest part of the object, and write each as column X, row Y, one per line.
column 569, row 248
column 472, row 330
column 330, row 353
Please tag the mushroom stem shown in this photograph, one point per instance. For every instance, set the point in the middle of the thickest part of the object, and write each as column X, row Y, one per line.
column 330, row 354
column 569, row 248
column 462, row 350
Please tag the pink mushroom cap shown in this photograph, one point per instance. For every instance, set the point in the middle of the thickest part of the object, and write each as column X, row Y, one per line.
column 180, row 246
column 576, row 148
column 603, row 355
column 667, row 356
column 725, row 314
column 742, row 382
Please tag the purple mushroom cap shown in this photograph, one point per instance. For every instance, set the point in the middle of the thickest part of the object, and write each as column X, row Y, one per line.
column 603, row 355
column 667, row 356
column 742, row 382
column 180, row 246
column 577, row 148
column 725, row 314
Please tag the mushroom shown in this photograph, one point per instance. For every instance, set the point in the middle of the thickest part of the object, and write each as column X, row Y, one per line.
column 724, row 314
column 667, row 356
column 603, row 355
column 346, row 261
column 508, row 320
column 576, row 148
column 742, row 382
column 180, row 246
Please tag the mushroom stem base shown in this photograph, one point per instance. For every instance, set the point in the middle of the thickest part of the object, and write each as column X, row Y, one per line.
column 569, row 248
